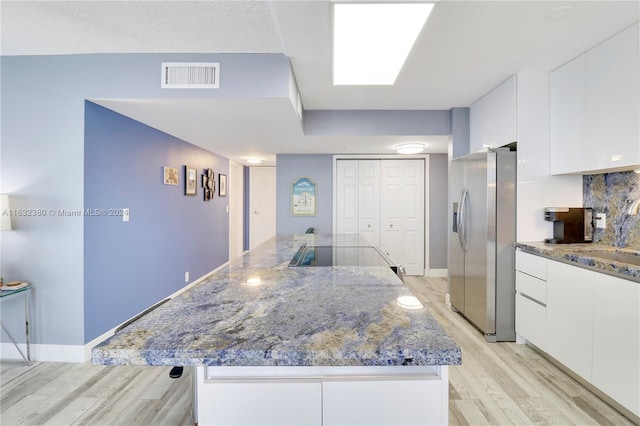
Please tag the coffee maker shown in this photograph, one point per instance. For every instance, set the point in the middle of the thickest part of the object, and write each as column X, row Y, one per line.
column 570, row 224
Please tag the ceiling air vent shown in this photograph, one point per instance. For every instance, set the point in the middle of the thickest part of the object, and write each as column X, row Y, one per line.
column 190, row 75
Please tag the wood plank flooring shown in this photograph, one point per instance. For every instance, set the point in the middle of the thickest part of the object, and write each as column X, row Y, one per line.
column 498, row 384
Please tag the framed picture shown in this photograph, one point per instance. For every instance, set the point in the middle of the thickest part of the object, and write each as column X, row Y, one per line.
column 190, row 181
column 303, row 197
column 209, row 184
column 170, row 175
column 222, row 182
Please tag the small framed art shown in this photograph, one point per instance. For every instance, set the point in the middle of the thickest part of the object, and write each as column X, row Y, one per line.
column 190, row 181
column 222, row 183
column 170, row 175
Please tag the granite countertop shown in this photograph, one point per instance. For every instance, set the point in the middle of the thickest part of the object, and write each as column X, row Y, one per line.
column 591, row 256
column 314, row 316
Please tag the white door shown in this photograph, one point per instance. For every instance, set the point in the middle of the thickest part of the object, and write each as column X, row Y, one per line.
column 235, row 205
column 347, row 197
column 402, row 213
column 262, row 204
column 369, row 200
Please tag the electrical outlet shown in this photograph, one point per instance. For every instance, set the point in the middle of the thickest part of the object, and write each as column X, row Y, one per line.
column 186, row 277
column 125, row 215
column 601, row 220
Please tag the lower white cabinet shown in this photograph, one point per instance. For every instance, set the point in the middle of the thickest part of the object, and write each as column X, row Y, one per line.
column 531, row 298
column 331, row 396
column 592, row 323
column 616, row 340
column 570, row 316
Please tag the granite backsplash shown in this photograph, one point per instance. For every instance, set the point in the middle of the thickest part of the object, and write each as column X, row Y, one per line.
column 612, row 194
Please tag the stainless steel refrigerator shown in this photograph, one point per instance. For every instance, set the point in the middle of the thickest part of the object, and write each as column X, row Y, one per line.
column 481, row 241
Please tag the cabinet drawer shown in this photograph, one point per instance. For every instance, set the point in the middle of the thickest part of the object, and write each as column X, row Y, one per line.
column 531, row 264
column 531, row 321
column 533, row 287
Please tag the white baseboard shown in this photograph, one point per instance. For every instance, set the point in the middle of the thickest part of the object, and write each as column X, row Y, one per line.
column 437, row 273
column 74, row 353
column 49, row 353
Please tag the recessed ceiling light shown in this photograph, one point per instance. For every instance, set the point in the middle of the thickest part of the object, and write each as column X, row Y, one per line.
column 371, row 41
column 557, row 13
column 409, row 148
column 253, row 160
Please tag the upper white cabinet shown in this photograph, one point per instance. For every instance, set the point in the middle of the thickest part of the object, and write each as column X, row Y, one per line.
column 595, row 108
column 492, row 121
column 567, row 121
column 613, row 102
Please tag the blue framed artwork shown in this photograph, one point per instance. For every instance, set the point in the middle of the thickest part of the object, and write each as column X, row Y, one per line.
column 303, row 197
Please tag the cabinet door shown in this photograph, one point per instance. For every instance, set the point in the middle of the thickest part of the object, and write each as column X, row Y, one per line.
column 616, row 340
column 613, row 102
column 493, row 118
column 570, row 316
column 382, row 402
column 568, row 148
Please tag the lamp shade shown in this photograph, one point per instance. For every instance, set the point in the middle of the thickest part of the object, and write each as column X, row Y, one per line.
column 5, row 213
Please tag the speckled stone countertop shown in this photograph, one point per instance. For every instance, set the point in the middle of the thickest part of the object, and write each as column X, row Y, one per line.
column 317, row 316
column 589, row 256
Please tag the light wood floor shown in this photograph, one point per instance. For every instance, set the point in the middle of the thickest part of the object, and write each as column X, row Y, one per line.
column 498, row 383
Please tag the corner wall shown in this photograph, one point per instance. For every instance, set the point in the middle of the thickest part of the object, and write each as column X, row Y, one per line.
column 129, row 266
column 319, row 168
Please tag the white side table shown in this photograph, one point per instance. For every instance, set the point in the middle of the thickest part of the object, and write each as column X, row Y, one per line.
column 6, row 295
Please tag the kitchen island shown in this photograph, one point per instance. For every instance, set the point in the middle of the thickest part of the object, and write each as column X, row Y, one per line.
column 280, row 345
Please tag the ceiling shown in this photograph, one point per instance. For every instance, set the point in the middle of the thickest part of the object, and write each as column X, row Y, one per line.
column 466, row 49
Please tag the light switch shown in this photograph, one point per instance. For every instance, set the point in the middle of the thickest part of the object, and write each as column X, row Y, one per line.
column 601, row 220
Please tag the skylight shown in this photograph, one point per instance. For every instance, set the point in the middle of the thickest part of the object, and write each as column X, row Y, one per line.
column 371, row 41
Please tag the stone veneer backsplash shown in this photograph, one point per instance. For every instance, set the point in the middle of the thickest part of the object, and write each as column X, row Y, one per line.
column 612, row 194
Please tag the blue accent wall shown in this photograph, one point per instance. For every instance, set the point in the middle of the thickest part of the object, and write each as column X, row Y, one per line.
column 129, row 266
column 319, row 168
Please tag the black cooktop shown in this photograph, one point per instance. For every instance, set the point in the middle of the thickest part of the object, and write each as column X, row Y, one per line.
column 339, row 256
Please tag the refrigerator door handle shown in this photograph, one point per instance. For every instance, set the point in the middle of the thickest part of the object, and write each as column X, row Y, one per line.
column 459, row 218
column 463, row 219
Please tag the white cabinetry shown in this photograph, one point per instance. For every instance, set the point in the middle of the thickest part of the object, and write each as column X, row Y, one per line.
column 595, row 108
column 567, row 120
column 616, row 340
column 613, row 102
column 570, row 316
column 333, row 396
column 592, row 323
column 493, row 118
column 531, row 298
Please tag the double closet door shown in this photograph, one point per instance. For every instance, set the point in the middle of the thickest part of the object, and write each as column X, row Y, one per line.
column 384, row 201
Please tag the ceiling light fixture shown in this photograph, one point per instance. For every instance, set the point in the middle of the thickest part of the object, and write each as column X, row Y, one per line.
column 371, row 41
column 253, row 160
column 409, row 148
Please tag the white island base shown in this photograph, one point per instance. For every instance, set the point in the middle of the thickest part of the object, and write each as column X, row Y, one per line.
column 407, row 395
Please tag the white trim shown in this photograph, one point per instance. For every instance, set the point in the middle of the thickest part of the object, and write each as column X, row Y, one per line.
column 437, row 273
column 49, row 353
column 447, row 300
